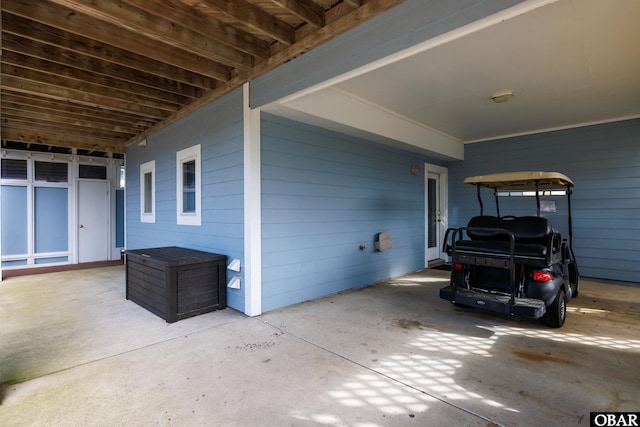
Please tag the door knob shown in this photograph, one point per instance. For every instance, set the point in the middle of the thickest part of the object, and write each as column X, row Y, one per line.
column 81, row 226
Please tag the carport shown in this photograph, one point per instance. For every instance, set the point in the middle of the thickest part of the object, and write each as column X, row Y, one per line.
column 391, row 354
column 361, row 110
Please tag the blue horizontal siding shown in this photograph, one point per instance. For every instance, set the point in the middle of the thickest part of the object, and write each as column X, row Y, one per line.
column 219, row 129
column 323, row 195
column 604, row 163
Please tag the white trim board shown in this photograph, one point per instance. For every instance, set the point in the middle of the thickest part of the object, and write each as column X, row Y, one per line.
column 252, row 209
column 444, row 205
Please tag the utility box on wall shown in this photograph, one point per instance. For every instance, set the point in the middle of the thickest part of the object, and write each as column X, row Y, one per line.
column 176, row 283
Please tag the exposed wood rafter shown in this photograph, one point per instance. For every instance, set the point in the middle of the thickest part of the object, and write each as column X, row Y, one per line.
column 101, row 74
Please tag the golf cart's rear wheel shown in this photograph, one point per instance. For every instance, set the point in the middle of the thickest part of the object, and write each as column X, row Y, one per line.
column 556, row 312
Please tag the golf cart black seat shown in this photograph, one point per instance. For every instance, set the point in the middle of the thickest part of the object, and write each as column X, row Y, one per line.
column 534, row 237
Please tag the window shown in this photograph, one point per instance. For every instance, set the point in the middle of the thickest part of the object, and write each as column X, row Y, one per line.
column 50, row 219
column 122, row 176
column 188, row 186
column 147, row 192
column 14, row 169
column 92, row 172
column 51, row 172
column 14, row 224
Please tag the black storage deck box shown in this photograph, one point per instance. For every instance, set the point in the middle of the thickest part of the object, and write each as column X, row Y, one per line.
column 175, row 283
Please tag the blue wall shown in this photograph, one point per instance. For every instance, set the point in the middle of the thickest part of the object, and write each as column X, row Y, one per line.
column 323, row 195
column 604, row 163
column 219, row 129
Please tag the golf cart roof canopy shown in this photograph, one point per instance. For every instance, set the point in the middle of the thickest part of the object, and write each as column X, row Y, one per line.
column 521, row 180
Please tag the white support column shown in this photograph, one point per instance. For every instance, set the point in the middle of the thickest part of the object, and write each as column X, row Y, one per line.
column 0, row 220
column 74, row 166
column 252, row 209
column 0, row 133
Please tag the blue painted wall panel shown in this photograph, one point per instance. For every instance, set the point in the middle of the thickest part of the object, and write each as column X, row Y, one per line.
column 219, row 129
column 323, row 195
column 14, row 220
column 51, row 231
column 604, row 163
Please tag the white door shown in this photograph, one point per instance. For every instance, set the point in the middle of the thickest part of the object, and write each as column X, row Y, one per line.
column 93, row 221
column 435, row 211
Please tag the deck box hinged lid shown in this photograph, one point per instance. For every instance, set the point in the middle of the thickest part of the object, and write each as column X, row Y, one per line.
column 171, row 256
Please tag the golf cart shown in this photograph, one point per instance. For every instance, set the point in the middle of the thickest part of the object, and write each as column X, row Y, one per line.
column 516, row 265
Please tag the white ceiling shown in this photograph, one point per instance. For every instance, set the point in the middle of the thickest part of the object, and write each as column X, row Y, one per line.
column 570, row 63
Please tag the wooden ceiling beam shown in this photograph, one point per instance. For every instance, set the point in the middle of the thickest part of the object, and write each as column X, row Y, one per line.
column 158, row 28
column 179, row 13
column 111, row 96
column 251, row 16
column 35, row 116
column 65, row 117
column 330, row 30
column 79, row 97
column 60, row 140
column 110, row 55
column 76, row 23
column 67, row 58
column 70, row 120
column 99, row 74
column 313, row 17
column 71, row 130
column 109, row 83
column 55, row 107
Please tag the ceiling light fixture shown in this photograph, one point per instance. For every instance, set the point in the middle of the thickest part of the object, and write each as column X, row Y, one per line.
column 501, row 97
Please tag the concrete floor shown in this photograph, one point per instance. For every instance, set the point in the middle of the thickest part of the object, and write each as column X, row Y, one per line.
column 74, row 352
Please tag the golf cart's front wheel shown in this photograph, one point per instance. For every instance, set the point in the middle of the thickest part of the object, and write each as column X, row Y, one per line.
column 556, row 312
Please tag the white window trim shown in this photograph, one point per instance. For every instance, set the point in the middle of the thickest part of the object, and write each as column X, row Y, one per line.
column 182, row 156
column 148, row 167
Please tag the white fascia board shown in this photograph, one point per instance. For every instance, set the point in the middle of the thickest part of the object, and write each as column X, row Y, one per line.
column 340, row 107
